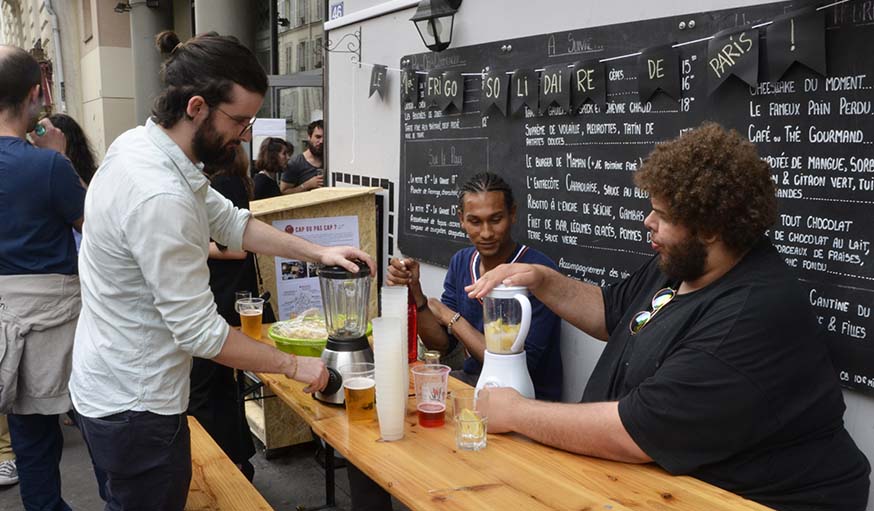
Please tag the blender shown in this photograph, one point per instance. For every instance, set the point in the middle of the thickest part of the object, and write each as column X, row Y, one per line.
column 345, row 299
column 506, row 319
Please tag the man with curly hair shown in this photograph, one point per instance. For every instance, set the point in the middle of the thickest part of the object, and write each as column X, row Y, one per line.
column 713, row 366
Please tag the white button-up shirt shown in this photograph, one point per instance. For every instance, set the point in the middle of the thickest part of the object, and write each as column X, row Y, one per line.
column 146, row 303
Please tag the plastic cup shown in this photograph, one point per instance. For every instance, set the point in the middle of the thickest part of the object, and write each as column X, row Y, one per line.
column 471, row 421
column 359, row 388
column 391, row 377
column 431, row 382
column 251, row 310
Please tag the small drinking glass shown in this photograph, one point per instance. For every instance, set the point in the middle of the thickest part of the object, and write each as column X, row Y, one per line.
column 471, row 422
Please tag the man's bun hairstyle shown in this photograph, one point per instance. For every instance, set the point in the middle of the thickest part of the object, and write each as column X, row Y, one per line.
column 207, row 65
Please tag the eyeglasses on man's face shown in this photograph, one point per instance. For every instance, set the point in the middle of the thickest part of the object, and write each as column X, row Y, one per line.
column 659, row 300
column 245, row 122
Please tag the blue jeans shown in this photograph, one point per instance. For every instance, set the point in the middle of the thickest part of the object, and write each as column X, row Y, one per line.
column 146, row 458
column 37, row 441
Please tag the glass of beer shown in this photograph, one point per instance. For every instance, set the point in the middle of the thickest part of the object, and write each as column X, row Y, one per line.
column 250, row 310
column 359, row 388
column 431, row 382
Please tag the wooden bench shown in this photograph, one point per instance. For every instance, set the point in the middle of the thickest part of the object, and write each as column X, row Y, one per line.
column 216, row 483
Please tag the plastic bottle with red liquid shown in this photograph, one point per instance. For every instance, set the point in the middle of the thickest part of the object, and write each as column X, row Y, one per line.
column 412, row 330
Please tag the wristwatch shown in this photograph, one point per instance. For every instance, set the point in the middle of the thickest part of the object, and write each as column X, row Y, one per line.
column 452, row 322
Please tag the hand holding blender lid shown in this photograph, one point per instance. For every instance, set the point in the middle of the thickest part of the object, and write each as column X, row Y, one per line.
column 507, row 319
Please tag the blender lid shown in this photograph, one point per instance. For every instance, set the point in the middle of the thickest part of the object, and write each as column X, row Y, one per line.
column 507, row 292
column 338, row 272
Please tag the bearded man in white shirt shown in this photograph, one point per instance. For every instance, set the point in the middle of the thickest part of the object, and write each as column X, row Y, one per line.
column 146, row 304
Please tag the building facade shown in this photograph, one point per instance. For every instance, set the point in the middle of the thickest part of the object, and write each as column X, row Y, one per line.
column 105, row 69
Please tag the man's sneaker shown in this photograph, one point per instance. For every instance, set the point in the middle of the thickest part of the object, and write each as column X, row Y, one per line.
column 8, row 473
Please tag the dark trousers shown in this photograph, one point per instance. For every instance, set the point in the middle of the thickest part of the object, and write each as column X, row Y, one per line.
column 365, row 493
column 146, row 458
column 37, row 441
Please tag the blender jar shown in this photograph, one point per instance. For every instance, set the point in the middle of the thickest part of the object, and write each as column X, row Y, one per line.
column 345, row 297
column 506, row 319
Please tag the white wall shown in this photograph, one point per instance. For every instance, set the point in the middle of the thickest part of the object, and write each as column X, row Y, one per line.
column 364, row 134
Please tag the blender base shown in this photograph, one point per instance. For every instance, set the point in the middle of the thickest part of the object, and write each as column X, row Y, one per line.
column 340, row 353
column 509, row 370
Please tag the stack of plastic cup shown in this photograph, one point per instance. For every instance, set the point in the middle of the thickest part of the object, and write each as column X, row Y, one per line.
column 394, row 305
column 390, row 376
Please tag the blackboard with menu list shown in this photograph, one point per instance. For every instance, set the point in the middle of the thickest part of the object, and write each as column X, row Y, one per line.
column 571, row 166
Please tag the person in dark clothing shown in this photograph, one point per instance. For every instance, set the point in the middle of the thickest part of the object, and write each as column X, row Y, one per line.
column 213, row 399
column 304, row 171
column 722, row 374
column 272, row 159
column 41, row 204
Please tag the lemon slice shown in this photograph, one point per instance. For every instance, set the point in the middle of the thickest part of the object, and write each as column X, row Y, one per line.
column 471, row 424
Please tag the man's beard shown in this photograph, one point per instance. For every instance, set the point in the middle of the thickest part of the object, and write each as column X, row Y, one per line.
column 684, row 261
column 208, row 147
column 316, row 150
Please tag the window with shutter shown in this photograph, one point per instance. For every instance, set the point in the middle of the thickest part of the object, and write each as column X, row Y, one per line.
column 318, row 53
column 301, row 56
column 289, row 59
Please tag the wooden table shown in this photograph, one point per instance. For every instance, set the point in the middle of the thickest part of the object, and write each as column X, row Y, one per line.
column 425, row 471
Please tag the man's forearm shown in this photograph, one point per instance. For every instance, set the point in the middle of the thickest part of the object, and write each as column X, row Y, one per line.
column 576, row 302
column 433, row 334
column 264, row 239
column 241, row 352
column 474, row 341
column 593, row 429
column 287, row 189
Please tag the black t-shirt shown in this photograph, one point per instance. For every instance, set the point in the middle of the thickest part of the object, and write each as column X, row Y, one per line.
column 733, row 384
column 226, row 277
column 265, row 187
column 299, row 171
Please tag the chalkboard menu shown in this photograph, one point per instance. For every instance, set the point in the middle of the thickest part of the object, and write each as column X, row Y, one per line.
column 571, row 166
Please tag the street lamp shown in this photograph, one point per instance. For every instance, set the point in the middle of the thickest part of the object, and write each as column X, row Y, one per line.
column 434, row 20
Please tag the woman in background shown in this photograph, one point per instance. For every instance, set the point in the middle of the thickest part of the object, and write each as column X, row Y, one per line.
column 214, row 400
column 79, row 149
column 272, row 159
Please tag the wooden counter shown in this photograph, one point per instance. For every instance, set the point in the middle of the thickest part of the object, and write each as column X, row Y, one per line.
column 425, row 471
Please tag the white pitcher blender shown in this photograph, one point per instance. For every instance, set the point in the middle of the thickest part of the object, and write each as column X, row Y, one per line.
column 506, row 319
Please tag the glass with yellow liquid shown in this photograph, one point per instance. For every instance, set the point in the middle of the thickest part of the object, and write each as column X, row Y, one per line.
column 359, row 389
column 251, row 311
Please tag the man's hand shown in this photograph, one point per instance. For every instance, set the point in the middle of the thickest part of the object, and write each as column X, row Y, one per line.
column 53, row 138
column 342, row 256
column 402, row 272
column 441, row 312
column 309, row 370
column 405, row 272
column 316, row 181
column 502, row 403
column 516, row 274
